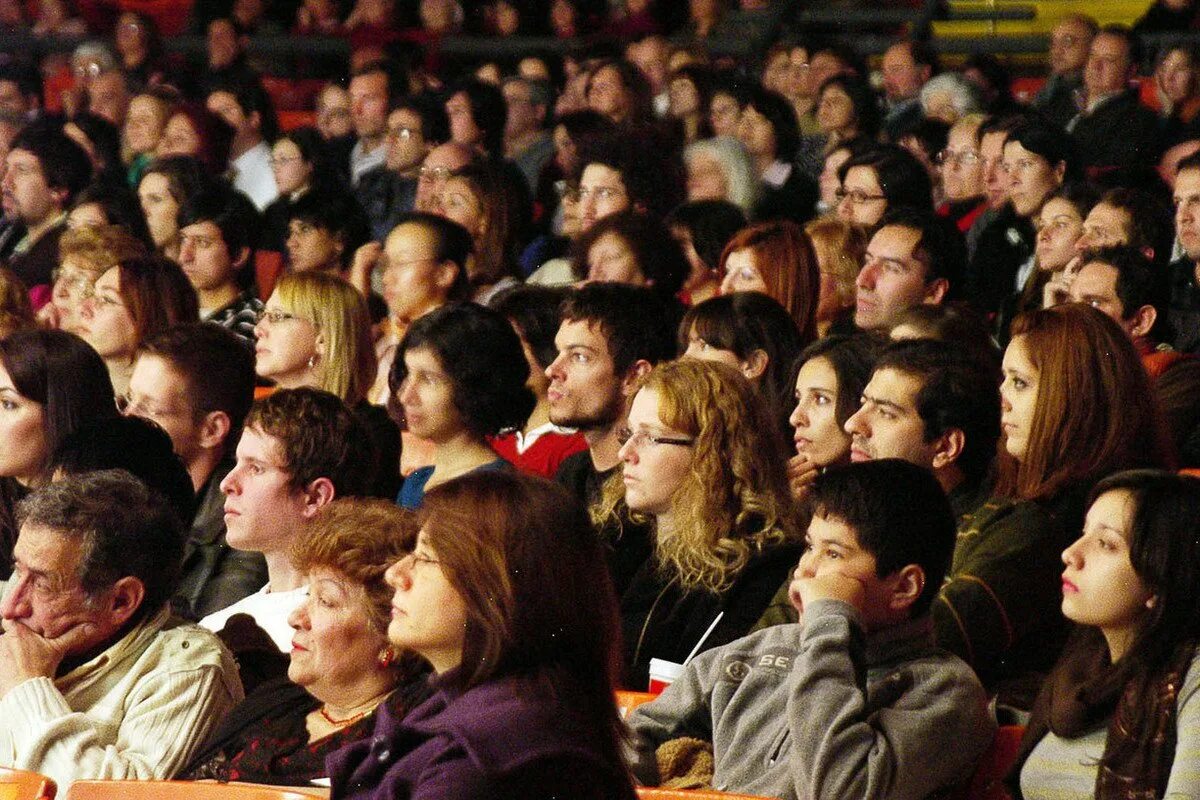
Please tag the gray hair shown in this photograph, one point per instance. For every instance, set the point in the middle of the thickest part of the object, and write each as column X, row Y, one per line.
column 121, row 528
column 735, row 162
column 964, row 95
column 96, row 51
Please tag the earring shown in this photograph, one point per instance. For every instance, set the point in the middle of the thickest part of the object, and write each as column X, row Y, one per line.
column 386, row 657
column 312, row 361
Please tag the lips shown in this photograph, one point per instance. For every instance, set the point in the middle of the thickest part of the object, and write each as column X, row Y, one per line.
column 858, row 454
column 554, row 395
column 1068, row 587
column 802, row 445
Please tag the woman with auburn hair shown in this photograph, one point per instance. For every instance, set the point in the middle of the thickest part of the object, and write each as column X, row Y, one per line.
column 502, row 596
column 840, row 248
column 342, row 670
column 1117, row 716
column 477, row 197
column 130, row 303
column 1076, row 405
column 315, row 331
column 700, row 461
column 777, row 259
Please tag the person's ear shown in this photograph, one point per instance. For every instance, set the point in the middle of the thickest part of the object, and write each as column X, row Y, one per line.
column 319, row 344
column 214, row 428
column 633, row 377
column 124, row 599
column 239, row 261
column 935, row 291
column 755, row 365
column 1060, row 171
column 948, row 448
column 907, row 584
column 317, row 495
column 443, row 276
column 1143, row 321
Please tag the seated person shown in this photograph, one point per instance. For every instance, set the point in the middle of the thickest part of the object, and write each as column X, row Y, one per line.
column 97, row 680
column 701, row 461
column 342, row 668
column 855, row 701
column 300, row 449
column 1117, row 715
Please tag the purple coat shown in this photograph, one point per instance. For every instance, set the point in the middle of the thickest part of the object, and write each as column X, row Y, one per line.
column 507, row 738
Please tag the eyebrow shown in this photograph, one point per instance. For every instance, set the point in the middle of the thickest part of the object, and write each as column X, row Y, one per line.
column 879, row 401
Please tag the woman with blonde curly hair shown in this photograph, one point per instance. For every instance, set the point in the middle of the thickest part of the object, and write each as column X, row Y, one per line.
column 699, row 460
column 315, row 331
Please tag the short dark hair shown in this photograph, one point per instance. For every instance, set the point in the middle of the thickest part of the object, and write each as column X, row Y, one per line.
column 121, row 207
column 64, row 163
column 321, row 437
column 451, row 242
column 1151, row 223
column 338, row 212
column 217, row 368
column 231, row 211
column 867, row 115
column 659, row 257
column 123, row 529
column 251, row 97
column 650, row 167
column 635, row 321
column 903, row 179
column 533, row 311
column 481, row 354
column 137, row 446
column 25, row 77
column 397, row 77
column 185, row 175
column 1133, row 43
column 435, row 125
column 898, row 513
column 488, row 110
column 1140, row 282
column 956, row 392
column 1191, row 162
column 711, row 224
column 1048, row 141
column 940, row 246
column 782, row 116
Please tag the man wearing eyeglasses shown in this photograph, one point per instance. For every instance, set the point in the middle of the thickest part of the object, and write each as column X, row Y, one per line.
column 435, row 169
column 961, row 167
column 215, row 245
column 415, row 126
column 44, row 169
column 1070, row 40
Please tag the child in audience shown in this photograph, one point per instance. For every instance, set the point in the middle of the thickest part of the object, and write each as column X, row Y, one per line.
column 855, row 701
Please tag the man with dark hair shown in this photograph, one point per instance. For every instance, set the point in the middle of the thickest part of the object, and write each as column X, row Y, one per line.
column 299, row 450
column 97, row 680
column 630, row 170
column 43, row 172
column 618, row 90
column 527, row 143
column 248, row 110
column 477, row 115
column 20, row 90
column 415, row 125
column 817, row 703
column 1131, row 290
column 217, row 228
column 372, row 86
column 1113, row 129
column 907, row 66
column 225, row 45
column 912, row 258
column 1070, row 41
column 197, row 382
column 1185, row 271
column 1130, row 216
column 931, row 404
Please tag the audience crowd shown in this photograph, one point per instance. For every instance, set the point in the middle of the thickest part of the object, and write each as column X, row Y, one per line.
column 381, row 452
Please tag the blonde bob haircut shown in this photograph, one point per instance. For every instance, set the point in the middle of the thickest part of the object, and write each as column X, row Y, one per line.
column 99, row 249
column 734, row 503
column 343, row 322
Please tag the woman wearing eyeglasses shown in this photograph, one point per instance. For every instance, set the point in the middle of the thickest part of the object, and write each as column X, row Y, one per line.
column 315, row 331
column 879, row 180
column 130, row 303
column 700, row 460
